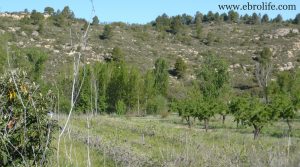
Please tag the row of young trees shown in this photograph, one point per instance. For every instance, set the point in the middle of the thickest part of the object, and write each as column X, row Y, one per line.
column 212, row 95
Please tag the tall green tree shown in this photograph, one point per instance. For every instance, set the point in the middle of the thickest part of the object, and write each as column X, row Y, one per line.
column 176, row 25
column 116, row 90
column 265, row 18
column 163, row 22
column 278, row 19
column 213, row 77
column 36, row 17
column 95, row 20
column 297, row 19
column 233, row 16
column 49, row 10
column 161, row 76
column 263, row 71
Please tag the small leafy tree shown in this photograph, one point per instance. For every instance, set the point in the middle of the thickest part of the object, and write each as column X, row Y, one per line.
column 25, row 128
column 213, row 77
column 180, row 67
column 176, row 25
column 238, row 108
column 284, row 108
column 252, row 112
column 278, row 19
column 185, row 109
column 120, row 107
column 36, row 17
column 265, row 18
column 117, row 55
column 107, row 32
column 156, row 105
column 233, row 16
column 285, row 96
column 258, row 115
column 95, row 20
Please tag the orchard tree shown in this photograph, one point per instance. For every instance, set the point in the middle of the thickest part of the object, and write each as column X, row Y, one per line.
column 186, row 109
column 285, row 96
column 258, row 115
column 238, row 107
column 283, row 106
column 213, row 77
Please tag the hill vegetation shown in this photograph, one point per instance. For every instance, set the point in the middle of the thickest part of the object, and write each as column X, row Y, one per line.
column 242, row 68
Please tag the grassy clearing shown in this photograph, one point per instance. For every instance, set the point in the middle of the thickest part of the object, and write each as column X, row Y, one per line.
column 75, row 153
column 152, row 141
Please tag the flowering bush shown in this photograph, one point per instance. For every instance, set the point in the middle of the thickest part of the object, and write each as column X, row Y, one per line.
column 25, row 127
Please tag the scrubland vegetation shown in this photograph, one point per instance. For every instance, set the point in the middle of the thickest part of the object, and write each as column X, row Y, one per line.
column 203, row 90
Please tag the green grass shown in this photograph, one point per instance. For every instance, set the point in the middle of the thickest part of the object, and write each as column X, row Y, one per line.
column 75, row 153
column 153, row 141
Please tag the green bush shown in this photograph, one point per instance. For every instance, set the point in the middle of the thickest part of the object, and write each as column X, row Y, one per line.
column 120, row 107
column 25, row 128
column 157, row 105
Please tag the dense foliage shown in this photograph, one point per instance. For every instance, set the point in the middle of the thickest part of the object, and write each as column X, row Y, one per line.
column 25, row 127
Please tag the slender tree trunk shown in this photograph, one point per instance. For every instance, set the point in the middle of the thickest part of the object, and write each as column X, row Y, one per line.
column 223, row 119
column 138, row 105
column 289, row 125
column 188, row 120
column 256, row 132
column 206, row 125
column 266, row 94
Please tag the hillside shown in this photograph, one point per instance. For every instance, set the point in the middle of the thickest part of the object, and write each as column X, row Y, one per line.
column 143, row 44
column 204, row 90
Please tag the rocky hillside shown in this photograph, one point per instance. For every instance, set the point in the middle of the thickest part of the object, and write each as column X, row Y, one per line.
column 239, row 44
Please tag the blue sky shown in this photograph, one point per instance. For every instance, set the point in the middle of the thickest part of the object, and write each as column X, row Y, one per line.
column 139, row 11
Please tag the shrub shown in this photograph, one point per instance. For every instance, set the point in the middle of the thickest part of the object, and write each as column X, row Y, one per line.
column 157, row 105
column 25, row 128
column 120, row 107
column 107, row 32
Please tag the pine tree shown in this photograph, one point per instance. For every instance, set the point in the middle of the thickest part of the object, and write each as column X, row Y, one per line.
column 95, row 20
column 180, row 67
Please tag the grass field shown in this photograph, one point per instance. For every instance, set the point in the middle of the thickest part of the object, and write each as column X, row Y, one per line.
column 153, row 141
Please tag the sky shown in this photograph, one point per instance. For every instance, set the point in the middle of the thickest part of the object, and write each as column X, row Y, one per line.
column 140, row 11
